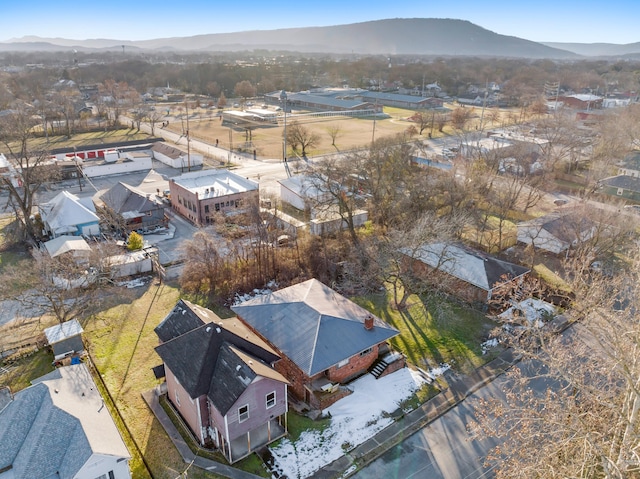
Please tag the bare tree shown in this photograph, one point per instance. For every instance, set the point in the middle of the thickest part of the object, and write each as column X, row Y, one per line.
column 334, row 131
column 29, row 170
column 204, row 268
column 153, row 117
column 573, row 409
column 244, row 89
column 300, row 138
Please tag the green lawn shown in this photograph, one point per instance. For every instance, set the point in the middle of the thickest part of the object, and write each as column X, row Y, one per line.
column 434, row 330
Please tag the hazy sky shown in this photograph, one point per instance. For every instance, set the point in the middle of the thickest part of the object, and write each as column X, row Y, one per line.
column 586, row 21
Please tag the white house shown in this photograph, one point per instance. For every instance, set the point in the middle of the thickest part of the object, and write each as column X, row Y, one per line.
column 66, row 214
column 60, row 428
column 301, row 192
column 175, row 157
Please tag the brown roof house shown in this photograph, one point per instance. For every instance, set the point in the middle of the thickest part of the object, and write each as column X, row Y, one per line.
column 466, row 273
column 324, row 339
column 220, row 380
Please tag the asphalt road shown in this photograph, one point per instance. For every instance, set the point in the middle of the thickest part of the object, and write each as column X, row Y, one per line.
column 445, row 448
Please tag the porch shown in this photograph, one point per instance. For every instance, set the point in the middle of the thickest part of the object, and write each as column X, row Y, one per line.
column 248, row 443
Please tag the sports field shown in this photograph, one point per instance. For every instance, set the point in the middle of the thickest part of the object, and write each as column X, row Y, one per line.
column 267, row 139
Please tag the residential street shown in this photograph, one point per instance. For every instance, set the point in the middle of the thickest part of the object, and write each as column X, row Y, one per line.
column 444, row 448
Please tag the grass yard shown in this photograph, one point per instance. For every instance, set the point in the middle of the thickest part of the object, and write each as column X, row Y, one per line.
column 83, row 139
column 434, row 331
column 122, row 343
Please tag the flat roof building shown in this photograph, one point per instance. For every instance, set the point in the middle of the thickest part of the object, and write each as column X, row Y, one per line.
column 199, row 195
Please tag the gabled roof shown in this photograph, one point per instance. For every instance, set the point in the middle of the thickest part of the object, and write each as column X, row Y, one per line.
column 631, row 183
column 60, row 332
column 631, row 161
column 129, row 201
column 566, row 226
column 313, row 325
column 64, row 212
column 184, row 317
column 52, row 428
column 472, row 266
column 64, row 244
column 194, row 357
column 303, row 186
column 168, row 150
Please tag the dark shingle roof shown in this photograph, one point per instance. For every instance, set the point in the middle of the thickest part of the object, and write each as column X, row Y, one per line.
column 195, row 356
column 230, row 379
column 313, row 325
column 184, row 317
column 123, row 198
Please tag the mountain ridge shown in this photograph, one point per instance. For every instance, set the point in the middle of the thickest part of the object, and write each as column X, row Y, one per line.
column 398, row 36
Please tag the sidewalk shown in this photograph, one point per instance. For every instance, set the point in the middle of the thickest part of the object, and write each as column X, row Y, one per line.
column 151, row 398
column 460, row 387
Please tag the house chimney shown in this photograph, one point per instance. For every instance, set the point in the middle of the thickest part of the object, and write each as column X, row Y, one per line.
column 368, row 322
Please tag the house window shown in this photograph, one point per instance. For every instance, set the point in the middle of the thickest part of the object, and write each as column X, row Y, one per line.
column 243, row 413
column 206, row 208
column 271, row 399
column 177, row 396
column 366, row 351
column 217, row 206
column 342, row 363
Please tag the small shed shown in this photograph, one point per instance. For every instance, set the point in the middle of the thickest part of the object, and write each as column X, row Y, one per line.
column 65, row 338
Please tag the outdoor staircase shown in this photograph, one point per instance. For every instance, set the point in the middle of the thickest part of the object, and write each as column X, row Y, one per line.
column 378, row 368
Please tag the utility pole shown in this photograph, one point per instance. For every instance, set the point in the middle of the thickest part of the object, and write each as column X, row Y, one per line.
column 283, row 98
column 186, row 104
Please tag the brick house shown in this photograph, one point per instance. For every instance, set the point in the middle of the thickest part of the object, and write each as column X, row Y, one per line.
column 464, row 272
column 324, row 339
column 199, row 195
column 220, row 380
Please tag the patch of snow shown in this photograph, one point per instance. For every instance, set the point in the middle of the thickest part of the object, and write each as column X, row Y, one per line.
column 532, row 309
column 134, row 283
column 354, row 419
column 241, row 298
column 489, row 344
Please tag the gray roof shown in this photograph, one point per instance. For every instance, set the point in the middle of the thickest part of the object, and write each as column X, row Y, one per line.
column 325, row 101
column 60, row 332
column 313, row 325
column 65, row 244
column 127, row 200
column 631, row 183
column 65, row 211
column 472, row 266
column 369, row 95
column 631, row 161
column 218, row 359
column 567, row 226
column 52, row 428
